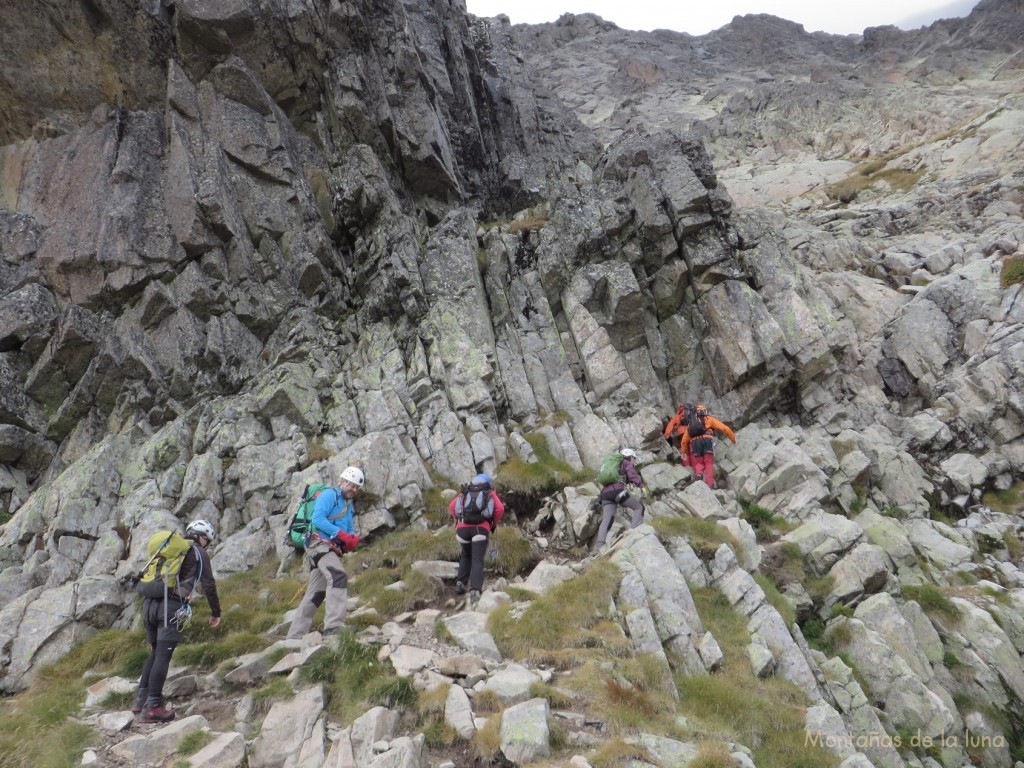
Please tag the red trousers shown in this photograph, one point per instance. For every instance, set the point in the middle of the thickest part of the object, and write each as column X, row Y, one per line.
column 702, row 459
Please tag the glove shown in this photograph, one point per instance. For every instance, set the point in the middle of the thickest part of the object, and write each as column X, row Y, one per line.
column 347, row 541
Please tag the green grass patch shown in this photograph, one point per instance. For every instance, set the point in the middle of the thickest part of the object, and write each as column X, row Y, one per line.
column 617, row 753
column 712, row 756
column 704, row 536
column 631, row 695
column 354, row 680
column 487, row 740
column 933, row 601
column 117, row 700
column 766, row 524
column 430, row 710
column 1012, row 272
column 400, row 549
column 194, row 741
column 567, row 616
column 1009, row 502
column 278, row 689
column 557, row 698
column 819, row 587
column 418, row 591
column 541, row 478
column 734, row 705
column 512, row 552
column 435, row 507
column 207, row 655
column 776, row 598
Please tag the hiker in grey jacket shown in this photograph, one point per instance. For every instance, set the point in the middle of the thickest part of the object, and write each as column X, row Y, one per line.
column 165, row 617
column 617, row 494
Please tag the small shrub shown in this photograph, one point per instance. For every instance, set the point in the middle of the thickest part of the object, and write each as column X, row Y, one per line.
column 194, row 741
column 950, row 660
column 1012, row 272
column 812, row 630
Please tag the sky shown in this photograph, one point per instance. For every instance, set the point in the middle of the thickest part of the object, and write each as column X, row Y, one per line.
column 698, row 17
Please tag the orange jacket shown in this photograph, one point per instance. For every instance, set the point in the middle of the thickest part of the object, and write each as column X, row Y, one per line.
column 677, row 426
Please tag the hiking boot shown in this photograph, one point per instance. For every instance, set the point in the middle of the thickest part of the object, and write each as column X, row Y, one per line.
column 332, row 632
column 474, row 597
column 157, row 715
column 460, row 588
column 139, row 702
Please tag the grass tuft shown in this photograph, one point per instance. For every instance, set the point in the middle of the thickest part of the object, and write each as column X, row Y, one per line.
column 1012, row 272
column 194, row 741
column 353, row 679
column 933, row 601
column 564, row 617
column 705, row 536
column 620, row 754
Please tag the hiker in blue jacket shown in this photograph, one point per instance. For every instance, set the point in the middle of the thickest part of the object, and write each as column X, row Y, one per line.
column 332, row 532
column 616, row 494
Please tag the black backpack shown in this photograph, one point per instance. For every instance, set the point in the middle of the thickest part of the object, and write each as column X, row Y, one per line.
column 475, row 504
column 695, row 426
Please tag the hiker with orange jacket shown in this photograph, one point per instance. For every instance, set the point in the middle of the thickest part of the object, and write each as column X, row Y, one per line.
column 696, row 430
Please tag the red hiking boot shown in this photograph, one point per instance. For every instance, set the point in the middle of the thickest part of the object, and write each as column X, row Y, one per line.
column 157, row 715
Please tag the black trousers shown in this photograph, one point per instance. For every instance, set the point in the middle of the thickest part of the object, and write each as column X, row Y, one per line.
column 163, row 637
column 473, row 542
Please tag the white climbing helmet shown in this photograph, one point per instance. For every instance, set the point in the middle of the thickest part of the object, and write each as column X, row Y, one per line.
column 200, row 528
column 353, row 475
column 628, row 453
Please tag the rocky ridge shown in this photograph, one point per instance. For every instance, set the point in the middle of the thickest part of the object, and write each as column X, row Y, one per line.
column 229, row 270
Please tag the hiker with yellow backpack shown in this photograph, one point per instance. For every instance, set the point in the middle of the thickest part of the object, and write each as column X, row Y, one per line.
column 696, row 427
column 177, row 566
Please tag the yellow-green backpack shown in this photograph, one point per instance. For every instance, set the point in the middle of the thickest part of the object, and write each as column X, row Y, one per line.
column 167, row 551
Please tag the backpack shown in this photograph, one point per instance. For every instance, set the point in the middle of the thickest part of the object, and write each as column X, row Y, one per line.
column 167, row 551
column 475, row 504
column 609, row 471
column 302, row 520
column 695, row 425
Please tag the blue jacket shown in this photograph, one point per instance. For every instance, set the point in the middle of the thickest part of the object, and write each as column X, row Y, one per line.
column 333, row 513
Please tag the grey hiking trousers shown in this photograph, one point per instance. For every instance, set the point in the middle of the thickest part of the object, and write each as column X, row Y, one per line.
column 328, row 583
column 608, row 508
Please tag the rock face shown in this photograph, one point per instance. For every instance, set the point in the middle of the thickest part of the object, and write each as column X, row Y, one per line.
column 278, row 239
